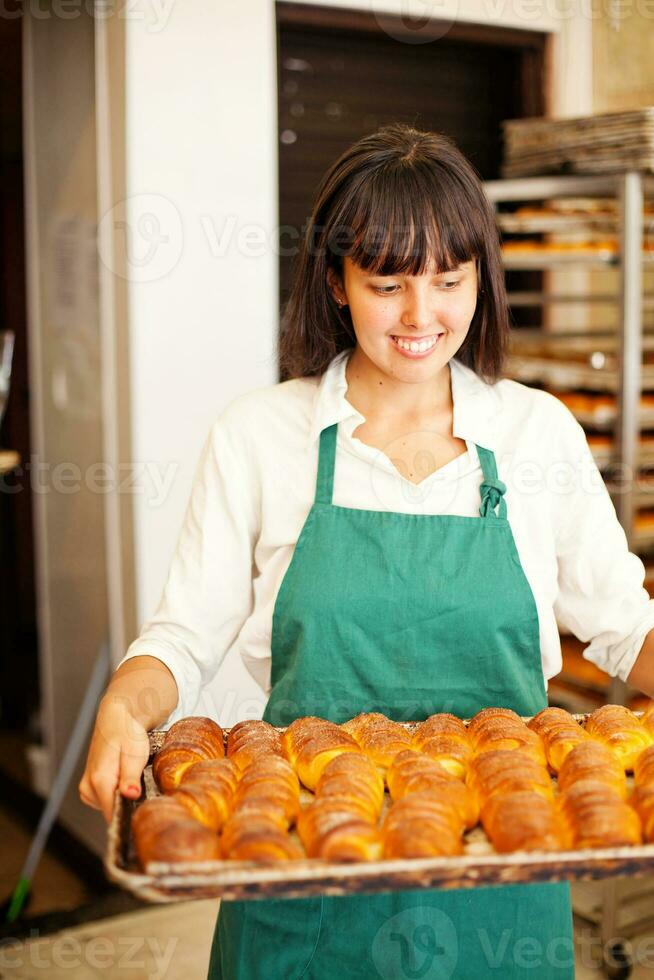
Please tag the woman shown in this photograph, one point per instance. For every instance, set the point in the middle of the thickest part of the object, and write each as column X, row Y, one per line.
column 394, row 570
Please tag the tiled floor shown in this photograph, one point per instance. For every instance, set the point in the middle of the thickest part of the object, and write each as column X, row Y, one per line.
column 172, row 942
column 166, row 942
column 54, row 885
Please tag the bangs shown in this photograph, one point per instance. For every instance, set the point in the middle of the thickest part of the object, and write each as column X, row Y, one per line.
column 403, row 220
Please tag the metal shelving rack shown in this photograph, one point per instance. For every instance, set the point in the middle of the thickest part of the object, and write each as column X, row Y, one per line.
column 628, row 377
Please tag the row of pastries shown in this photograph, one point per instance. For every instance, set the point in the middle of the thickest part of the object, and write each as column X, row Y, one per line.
column 371, row 788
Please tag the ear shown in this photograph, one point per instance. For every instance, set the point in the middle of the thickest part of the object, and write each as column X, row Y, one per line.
column 336, row 286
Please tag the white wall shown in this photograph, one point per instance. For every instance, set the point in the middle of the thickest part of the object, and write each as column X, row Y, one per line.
column 201, row 153
column 195, row 239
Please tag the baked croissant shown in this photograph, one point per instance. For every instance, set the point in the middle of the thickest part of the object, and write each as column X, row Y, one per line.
column 523, row 821
column 164, row 831
column 413, row 772
column 559, row 732
column 354, row 774
column 187, row 741
column 644, row 767
column 420, row 825
column 597, row 816
column 340, row 824
column 477, row 721
column 648, row 718
column 310, row 743
column 248, row 836
column 499, row 734
column 642, row 800
column 249, row 740
column 445, row 738
column 358, row 837
column 621, row 730
column 266, row 803
column 506, row 771
column 206, row 790
column 378, row 736
column 501, row 731
column 593, row 760
column 351, row 841
column 270, row 786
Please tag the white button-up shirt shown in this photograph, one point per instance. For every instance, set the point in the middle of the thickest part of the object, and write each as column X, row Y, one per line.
column 255, row 484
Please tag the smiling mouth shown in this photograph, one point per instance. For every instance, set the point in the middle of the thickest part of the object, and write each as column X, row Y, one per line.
column 416, row 345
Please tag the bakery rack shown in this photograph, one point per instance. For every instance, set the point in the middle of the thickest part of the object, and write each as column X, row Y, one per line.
column 590, row 364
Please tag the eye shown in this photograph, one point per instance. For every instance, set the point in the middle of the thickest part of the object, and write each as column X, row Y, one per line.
column 451, row 284
column 385, row 290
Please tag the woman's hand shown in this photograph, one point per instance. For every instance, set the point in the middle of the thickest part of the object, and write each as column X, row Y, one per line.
column 117, row 756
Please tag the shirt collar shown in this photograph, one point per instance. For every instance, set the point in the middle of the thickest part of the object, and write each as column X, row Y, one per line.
column 476, row 403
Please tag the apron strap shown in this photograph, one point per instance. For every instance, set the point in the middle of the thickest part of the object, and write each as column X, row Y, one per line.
column 492, row 489
column 326, row 458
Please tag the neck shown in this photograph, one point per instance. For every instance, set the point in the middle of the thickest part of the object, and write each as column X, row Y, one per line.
column 376, row 394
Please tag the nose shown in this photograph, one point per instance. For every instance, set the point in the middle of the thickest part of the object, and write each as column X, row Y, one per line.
column 419, row 308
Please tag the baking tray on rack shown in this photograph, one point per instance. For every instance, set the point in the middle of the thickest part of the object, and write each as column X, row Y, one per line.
column 562, row 374
column 547, row 222
column 479, row 866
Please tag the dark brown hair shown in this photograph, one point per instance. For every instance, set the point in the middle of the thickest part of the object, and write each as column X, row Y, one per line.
column 395, row 201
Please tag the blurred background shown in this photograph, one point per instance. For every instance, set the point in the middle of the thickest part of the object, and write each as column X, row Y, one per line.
column 157, row 165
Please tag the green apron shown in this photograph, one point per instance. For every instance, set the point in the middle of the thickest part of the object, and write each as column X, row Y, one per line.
column 408, row 614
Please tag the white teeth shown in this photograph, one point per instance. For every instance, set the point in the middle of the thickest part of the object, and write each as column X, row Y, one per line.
column 416, row 347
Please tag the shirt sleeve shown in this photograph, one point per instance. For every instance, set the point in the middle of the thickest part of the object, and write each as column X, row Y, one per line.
column 601, row 598
column 209, row 593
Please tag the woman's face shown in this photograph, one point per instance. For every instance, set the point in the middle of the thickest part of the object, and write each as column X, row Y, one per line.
column 393, row 314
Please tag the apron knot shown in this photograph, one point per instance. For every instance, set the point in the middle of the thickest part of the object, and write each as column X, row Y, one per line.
column 492, row 492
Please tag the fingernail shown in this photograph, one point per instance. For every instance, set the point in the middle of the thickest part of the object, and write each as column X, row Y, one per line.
column 133, row 789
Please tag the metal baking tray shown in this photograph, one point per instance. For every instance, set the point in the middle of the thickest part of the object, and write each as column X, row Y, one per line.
column 567, row 375
column 480, row 864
